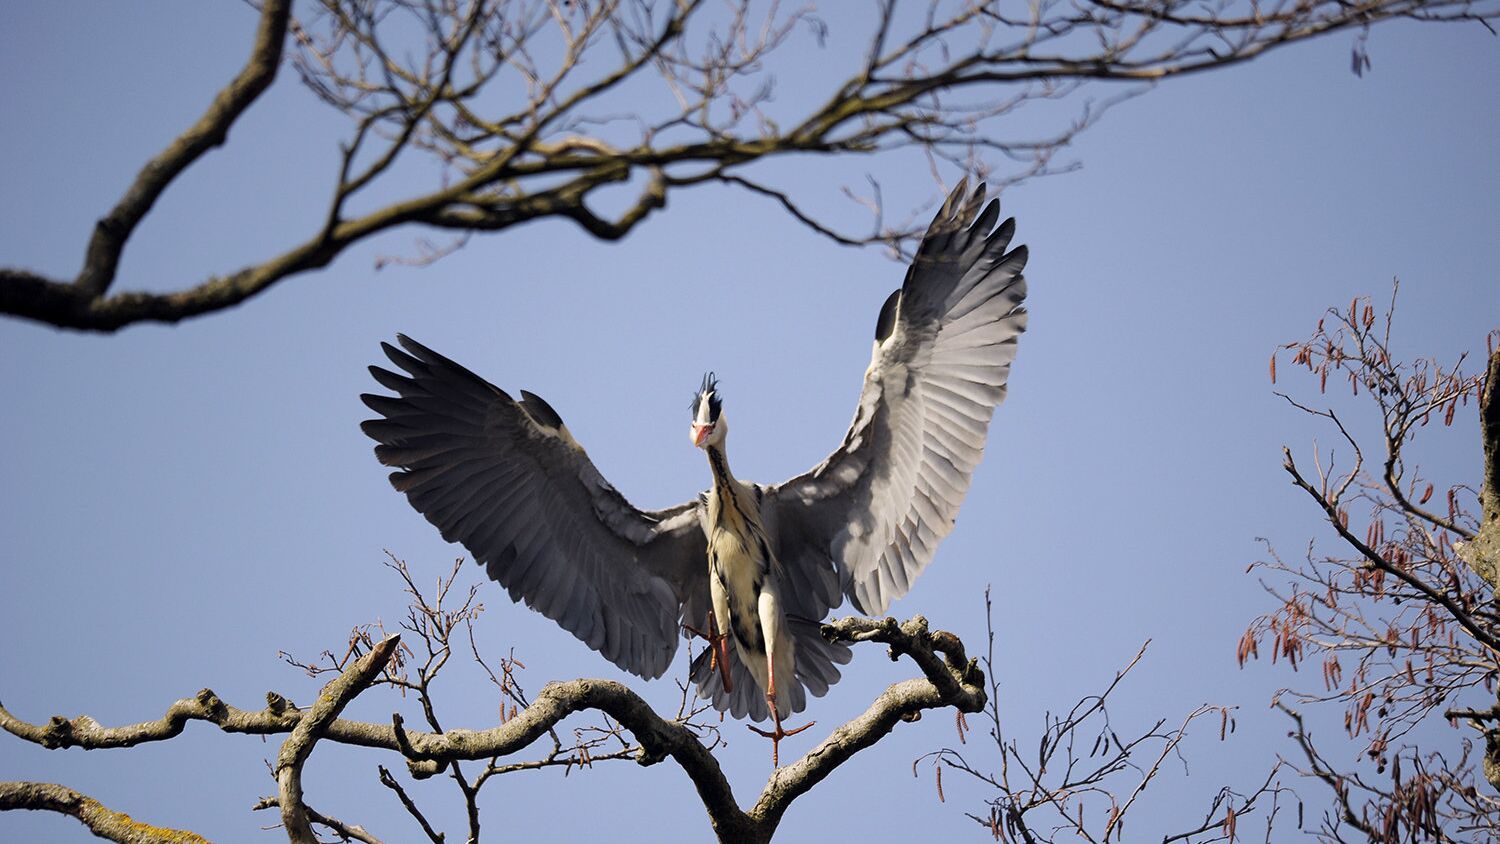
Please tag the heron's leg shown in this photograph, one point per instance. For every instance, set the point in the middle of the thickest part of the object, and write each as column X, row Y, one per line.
column 779, row 733
column 718, row 644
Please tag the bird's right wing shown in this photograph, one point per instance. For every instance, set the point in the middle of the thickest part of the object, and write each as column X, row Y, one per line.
column 508, row 481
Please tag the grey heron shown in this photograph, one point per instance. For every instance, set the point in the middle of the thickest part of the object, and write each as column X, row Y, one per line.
column 759, row 566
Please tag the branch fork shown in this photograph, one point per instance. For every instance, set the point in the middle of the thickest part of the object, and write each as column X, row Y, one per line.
column 950, row 679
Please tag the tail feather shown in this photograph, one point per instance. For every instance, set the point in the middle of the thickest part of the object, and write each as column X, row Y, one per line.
column 817, row 670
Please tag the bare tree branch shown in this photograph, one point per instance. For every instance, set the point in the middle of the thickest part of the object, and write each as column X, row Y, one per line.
column 1431, row 592
column 345, row 831
column 1403, row 620
column 211, row 130
column 411, row 807
column 950, row 679
column 102, row 821
column 532, row 108
column 311, row 727
column 1081, row 777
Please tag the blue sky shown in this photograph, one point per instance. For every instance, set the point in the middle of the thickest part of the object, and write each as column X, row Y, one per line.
column 181, row 503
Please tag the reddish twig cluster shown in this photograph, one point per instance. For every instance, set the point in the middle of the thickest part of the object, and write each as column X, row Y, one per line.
column 1402, row 624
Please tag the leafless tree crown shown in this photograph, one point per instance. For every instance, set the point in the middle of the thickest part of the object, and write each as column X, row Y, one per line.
column 528, row 109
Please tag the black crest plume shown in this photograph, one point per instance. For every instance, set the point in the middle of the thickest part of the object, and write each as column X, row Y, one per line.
column 709, row 387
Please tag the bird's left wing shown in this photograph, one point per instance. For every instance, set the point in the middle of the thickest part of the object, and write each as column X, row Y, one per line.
column 875, row 510
column 507, row 480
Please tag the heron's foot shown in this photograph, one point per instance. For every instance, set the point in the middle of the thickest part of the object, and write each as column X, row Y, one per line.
column 777, row 734
column 718, row 644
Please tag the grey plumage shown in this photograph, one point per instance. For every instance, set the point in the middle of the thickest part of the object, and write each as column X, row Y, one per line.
column 527, row 502
column 817, row 670
column 878, row 506
column 508, row 481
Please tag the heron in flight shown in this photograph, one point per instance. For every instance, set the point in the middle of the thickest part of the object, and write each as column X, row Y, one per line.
column 752, row 565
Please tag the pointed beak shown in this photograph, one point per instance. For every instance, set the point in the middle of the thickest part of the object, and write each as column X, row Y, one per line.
column 700, row 434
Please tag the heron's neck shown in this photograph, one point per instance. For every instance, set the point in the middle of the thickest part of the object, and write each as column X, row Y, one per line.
column 723, row 479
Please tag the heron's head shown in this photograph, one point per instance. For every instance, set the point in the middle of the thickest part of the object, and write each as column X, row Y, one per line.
column 709, row 424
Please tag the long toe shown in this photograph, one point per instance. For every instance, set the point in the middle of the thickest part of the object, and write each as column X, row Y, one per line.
column 776, row 736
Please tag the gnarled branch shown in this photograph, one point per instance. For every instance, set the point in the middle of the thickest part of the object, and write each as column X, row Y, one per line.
column 950, row 678
column 311, row 727
column 101, row 820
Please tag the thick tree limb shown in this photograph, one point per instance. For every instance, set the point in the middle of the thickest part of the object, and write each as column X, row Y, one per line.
column 950, row 679
column 103, row 822
column 82, row 302
column 1483, row 552
column 1489, row 420
column 312, row 726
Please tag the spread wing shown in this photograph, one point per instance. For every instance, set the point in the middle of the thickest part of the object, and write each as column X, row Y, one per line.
column 875, row 510
column 508, row 481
